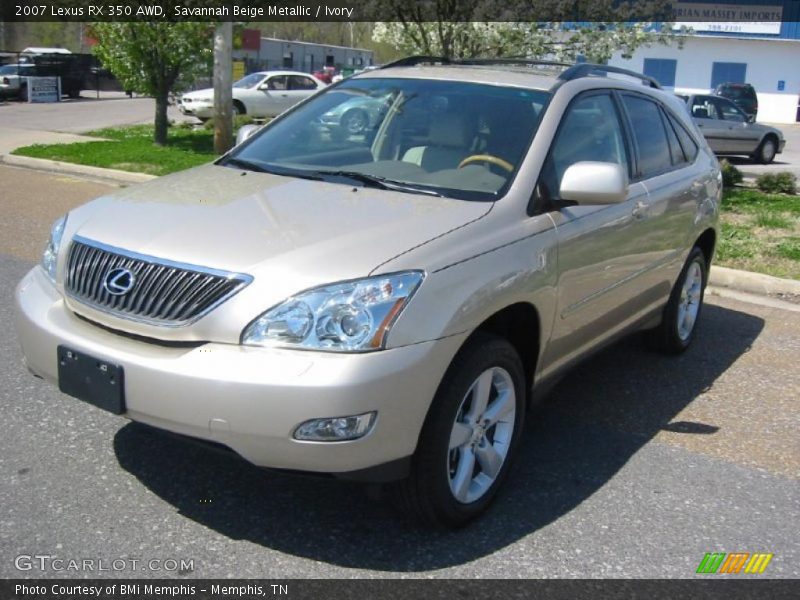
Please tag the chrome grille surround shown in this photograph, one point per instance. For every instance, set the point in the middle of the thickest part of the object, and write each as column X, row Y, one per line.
column 166, row 293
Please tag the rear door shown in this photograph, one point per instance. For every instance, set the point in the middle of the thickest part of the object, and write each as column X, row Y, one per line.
column 673, row 191
column 741, row 138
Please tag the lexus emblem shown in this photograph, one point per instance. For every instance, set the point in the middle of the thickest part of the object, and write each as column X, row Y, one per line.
column 119, row 281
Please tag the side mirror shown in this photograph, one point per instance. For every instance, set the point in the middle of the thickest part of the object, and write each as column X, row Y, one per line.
column 751, row 118
column 591, row 183
column 245, row 131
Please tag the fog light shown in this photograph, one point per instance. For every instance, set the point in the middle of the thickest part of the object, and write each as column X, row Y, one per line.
column 336, row 429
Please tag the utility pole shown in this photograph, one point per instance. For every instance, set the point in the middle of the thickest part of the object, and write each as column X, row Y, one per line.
column 223, row 87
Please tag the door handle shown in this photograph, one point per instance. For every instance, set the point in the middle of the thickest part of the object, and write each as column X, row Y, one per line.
column 639, row 210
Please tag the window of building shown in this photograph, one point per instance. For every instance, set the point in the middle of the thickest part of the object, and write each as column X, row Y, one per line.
column 662, row 70
column 650, row 135
column 725, row 72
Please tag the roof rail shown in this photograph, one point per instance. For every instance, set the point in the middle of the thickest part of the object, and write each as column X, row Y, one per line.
column 589, row 69
column 411, row 61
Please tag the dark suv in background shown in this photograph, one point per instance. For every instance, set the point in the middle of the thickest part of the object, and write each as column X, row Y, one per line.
column 742, row 95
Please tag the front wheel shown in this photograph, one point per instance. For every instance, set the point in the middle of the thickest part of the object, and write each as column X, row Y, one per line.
column 682, row 312
column 469, row 437
column 766, row 151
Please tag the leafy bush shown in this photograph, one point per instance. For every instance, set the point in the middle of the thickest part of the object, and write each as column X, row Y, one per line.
column 238, row 122
column 777, row 183
column 730, row 174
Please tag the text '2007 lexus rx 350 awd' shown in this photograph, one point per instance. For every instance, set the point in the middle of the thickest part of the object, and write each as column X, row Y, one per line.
column 380, row 303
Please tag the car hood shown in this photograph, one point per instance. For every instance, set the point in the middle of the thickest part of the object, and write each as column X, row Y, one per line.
column 289, row 234
column 204, row 93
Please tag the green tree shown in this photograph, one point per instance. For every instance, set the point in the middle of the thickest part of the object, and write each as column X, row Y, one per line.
column 155, row 59
column 454, row 29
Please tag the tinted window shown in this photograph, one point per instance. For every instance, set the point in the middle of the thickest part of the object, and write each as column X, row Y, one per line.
column 675, row 149
column 298, row 82
column 650, row 135
column 687, row 142
column 590, row 130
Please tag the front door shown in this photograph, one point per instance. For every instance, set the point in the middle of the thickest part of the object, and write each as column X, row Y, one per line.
column 599, row 247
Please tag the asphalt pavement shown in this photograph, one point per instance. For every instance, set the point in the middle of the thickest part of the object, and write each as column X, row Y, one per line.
column 636, row 466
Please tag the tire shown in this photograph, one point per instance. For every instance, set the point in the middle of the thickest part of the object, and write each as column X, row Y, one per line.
column 238, row 108
column 679, row 321
column 767, row 150
column 354, row 121
column 463, row 458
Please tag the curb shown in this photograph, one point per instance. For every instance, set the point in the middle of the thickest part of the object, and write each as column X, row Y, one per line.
column 752, row 283
column 53, row 166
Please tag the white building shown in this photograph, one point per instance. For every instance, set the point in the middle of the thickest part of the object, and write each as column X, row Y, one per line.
column 763, row 54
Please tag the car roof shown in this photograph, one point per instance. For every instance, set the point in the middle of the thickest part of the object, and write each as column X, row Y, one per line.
column 265, row 73
column 544, row 77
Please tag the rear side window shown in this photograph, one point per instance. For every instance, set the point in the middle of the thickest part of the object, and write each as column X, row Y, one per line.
column 298, row 82
column 650, row 136
column 675, row 148
column 688, row 144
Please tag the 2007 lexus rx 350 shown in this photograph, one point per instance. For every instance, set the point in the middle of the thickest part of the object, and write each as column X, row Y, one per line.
column 379, row 303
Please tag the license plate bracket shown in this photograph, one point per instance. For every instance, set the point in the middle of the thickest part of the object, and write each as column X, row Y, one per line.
column 91, row 379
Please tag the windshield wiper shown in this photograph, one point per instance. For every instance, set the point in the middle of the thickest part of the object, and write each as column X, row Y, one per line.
column 271, row 169
column 377, row 182
column 245, row 164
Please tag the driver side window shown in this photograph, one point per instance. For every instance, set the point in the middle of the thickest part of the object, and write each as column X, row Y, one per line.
column 729, row 111
column 590, row 131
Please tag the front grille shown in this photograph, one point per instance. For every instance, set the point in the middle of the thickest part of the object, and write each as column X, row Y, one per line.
column 162, row 292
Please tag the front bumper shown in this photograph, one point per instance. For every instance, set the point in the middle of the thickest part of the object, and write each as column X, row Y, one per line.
column 197, row 109
column 781, row 144
column 249, row 399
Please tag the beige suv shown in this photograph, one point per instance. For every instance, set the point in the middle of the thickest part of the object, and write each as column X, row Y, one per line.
column 379, row 304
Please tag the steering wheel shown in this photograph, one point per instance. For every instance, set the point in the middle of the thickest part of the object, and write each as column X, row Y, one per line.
column 490, row 158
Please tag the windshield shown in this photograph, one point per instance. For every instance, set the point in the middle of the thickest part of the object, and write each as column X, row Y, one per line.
column 736, row 93
column 13, row 69
column 249, row 81
column 455, row 139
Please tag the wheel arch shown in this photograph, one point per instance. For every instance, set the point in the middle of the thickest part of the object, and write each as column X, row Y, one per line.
column 520, row 325
column 707, row 243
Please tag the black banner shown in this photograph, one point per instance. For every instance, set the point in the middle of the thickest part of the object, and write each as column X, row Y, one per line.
column 391, row 589
column 574, row 11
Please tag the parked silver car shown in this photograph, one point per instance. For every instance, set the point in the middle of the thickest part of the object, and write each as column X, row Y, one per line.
column 382, row 307
column 729, row 130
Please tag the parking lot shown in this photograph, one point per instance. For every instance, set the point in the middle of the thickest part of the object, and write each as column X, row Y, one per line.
column 636, row 466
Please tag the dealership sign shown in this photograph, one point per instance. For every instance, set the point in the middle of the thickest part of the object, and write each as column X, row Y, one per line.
column 728, row 18
column 44, row 89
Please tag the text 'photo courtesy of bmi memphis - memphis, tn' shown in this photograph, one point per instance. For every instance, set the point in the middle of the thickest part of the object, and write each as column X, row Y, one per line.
column 379, row 303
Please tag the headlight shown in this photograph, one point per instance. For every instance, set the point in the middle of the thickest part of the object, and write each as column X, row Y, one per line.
column 50, row 255
column 353, row 316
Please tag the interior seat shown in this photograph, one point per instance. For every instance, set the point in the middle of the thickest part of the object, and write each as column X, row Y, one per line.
column 448, row 144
